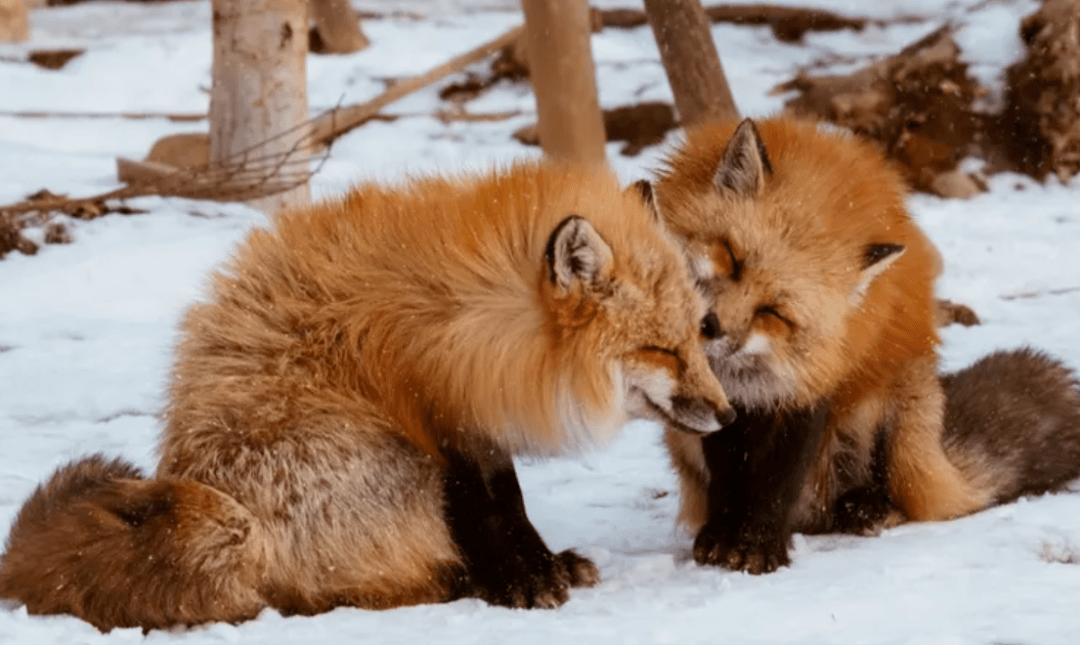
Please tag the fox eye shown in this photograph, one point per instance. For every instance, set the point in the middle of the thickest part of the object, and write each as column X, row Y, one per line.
column 667, row 354
column 771, row 310
column 736, row 263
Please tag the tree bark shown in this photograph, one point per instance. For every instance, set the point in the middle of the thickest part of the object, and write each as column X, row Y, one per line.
column 14, row 21
column 338, row 26
column 691, row 61
column 258, row 103
column 561, row 66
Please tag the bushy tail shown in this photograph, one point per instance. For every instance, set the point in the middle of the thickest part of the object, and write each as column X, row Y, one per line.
column 1012, row 423
column 100, row 541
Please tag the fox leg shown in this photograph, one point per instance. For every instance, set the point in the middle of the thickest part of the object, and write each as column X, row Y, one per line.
column 866, row 509
column 758, row 467
column 507, row 561
column 922, row 481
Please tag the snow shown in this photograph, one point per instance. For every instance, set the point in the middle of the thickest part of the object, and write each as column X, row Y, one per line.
column 86, row 331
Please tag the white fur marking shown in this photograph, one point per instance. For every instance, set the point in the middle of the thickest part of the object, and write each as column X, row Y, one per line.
column 758, row 345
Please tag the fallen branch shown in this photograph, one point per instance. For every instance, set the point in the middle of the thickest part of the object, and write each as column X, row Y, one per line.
column 41, row 114
column 331, row 125
column 1023, row 295
column 789, row 24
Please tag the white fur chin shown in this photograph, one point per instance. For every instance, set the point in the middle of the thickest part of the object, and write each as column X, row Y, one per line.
column 758, row 345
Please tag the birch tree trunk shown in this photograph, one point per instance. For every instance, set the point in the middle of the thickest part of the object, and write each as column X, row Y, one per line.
column 258, row 102
column 14, row 21
column 338, row 26
column 557, row 39
column 690, row 60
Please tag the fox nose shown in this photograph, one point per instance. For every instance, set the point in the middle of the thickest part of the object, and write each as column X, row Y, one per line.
column 726, row 416
column 710, row 326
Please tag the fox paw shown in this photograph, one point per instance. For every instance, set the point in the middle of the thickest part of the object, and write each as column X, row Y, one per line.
column 751, row 554
column 541, row 580
column 582, row 571
column 864, row 511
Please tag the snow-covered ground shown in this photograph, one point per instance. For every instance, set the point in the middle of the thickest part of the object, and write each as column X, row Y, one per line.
column 86, row 330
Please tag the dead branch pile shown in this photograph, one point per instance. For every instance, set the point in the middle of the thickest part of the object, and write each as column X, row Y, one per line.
column 1042, row 115
column 918, row 104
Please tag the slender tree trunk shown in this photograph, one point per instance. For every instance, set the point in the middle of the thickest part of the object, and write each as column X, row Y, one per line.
column 691, row 61
column 14, row 21
column 258, row 103
column 338, row 26
column 563, row 76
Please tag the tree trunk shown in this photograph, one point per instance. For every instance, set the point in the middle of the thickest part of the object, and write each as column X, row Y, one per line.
column 338, row 26
column 14, row 21
column 691, row 61
column 564, row 80
column 258, row 104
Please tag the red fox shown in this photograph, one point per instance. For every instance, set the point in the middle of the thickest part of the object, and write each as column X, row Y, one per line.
column 823, row 333
column 344, row 406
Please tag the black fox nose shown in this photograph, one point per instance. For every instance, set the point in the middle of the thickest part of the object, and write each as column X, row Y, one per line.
column 710, row 326
column 726, row 416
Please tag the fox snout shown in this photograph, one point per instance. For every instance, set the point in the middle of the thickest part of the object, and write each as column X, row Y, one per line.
column 700, row 416
column 700, row 405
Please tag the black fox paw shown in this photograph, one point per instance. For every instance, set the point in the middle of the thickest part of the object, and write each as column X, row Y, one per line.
column 863, row 511
column 746, row 553
column 540, row 580
column 582, row 571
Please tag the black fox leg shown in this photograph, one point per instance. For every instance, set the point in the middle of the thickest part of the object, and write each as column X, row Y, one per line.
column 757, row 467
column 507, row 561
column 866, row 509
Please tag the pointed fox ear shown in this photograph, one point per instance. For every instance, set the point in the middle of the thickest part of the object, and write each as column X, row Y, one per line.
column 876, row 258
column 576, row 253
column 745, row 165
column 648, row 196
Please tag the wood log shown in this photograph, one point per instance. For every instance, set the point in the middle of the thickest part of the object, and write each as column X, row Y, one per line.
column 690, row 60
column 258, row 103
column 557, row 38
column 14, row 21
column 338, row 27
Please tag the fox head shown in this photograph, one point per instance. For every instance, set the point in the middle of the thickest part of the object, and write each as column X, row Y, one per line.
column 633, row 306
column 800, row 243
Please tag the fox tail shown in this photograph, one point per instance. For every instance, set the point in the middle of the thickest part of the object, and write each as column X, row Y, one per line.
column 1012, row 423
column 102, row 542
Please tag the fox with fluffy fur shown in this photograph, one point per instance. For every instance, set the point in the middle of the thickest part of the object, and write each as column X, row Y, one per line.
column 345, row 404
column 822, row 331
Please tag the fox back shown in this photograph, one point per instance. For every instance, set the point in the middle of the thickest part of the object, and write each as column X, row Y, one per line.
column 434, row 303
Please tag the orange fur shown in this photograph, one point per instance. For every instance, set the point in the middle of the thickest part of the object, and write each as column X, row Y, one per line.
column 807, row 320
column 343, row 348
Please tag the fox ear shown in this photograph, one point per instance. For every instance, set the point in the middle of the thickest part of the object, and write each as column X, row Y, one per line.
column 876, row 258
column 576, row 252
column 745, row 165
column 648, row 196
